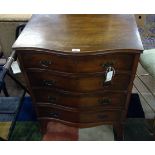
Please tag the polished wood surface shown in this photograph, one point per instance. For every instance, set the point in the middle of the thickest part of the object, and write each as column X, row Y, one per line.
column 78, row 64
column 78, row 117
column 69, row 86
column 96, row 82
column 89, row 33
column 82, row 101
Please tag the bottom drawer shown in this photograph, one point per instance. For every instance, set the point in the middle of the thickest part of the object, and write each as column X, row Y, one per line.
column 82, row 101
column 56, row 113
column 79, row 117
column 101, row 116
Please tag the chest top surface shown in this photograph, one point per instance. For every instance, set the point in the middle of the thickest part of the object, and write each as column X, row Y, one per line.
column 89, row 33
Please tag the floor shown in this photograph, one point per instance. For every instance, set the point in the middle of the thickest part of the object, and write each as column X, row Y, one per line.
column 147, row 99
column 105, row 132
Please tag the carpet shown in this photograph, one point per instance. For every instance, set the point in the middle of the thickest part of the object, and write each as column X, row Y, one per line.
column 27, row 112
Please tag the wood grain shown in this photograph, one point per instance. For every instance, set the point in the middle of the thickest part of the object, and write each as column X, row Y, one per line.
column 89, row 33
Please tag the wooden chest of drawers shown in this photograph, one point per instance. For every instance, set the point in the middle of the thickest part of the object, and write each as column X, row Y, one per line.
column 66, row 60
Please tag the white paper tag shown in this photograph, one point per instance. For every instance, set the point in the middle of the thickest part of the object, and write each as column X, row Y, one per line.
column 76, row 50
column 109, row 76
column 15, row 67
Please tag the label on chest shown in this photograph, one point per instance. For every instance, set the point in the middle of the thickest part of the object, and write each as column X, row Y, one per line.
column 109, row 74
column 15, row 67
column 76, row 50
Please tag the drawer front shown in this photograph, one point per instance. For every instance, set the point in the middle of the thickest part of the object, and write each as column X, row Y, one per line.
column 83, row 117
column 56, row 113
column 77, row 64
column 106, row 115
column 78, row 84
column 82, row 101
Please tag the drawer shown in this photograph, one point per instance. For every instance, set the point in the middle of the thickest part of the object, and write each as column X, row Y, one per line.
column 76, row 64
column 83, row 117
column 102, row 116
column 47, row 79
column 82, row 101
column 57, row 113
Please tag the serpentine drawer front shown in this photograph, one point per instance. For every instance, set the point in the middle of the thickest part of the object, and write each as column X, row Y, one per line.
column 76, row 117
column 78, row 100
column 79, row 69
column 80, row 64
column 87, row 83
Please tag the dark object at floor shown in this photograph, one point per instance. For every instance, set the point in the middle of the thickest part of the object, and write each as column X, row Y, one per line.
column 136, row 129
column 27, row 112
column 135, row 109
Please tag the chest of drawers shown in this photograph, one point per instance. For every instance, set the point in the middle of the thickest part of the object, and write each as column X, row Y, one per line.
column 66, row 61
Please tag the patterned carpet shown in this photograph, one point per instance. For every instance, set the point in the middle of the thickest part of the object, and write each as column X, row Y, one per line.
column 135, row 130
column 27, row 131
column 24, row 131
column 4, row 129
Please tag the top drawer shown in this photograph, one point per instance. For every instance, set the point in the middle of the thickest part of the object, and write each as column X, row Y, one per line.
column 76, row 64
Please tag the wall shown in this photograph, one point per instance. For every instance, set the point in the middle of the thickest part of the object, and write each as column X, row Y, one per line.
column 8, row 24
column 146, row 25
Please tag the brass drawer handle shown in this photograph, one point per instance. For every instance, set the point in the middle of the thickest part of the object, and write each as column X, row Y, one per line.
column 102, row 116
column 104, row 101
column 108, row 64
column 48, row 83
column 54, row 114
column 45, row 63
column 51, row 99
column 107, row 83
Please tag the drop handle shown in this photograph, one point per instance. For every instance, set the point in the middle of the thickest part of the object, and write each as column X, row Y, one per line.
column 104, row 101
column 102, row 116
column 45, row 63
column 51, row 99
column 108, row 64
column 54, row 114
column 48, row 83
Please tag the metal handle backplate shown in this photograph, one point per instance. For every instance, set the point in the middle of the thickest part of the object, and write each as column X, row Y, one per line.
column 108, row 64
column 102, row 116
column 45, row 63
column 104, row 101
column 54, row 114
column 51, row 99
column 48, row 83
